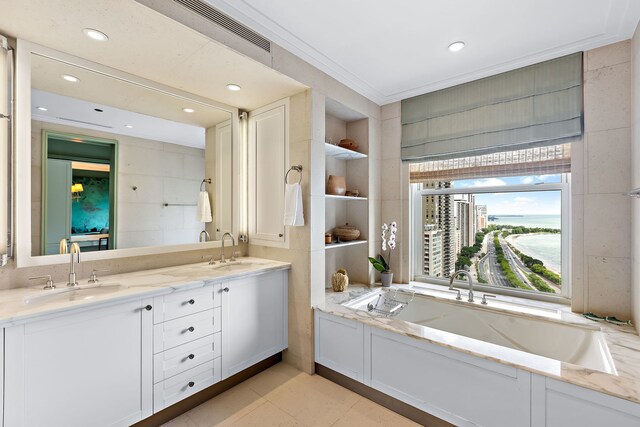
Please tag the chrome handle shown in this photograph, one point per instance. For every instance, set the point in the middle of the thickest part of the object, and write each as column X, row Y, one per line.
column 191, row 329
column 191, row 356
column 49, row 284
column 148, row 307
column 191, row 384
column 484, row 298
column 226, row 289
column 280, row 234
column 191, row 301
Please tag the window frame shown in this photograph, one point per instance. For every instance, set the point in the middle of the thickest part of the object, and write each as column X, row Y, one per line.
column 564, row 186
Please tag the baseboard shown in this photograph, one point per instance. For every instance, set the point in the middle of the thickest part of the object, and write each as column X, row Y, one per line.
column 397, row 406
column 191, row 402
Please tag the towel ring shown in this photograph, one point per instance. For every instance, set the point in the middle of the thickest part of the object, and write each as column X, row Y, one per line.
column 207, row 180
column 298, row 169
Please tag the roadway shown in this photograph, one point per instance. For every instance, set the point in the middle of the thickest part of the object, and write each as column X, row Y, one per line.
column 489, row 265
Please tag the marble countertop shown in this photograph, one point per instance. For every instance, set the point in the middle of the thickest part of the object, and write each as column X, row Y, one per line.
column 25, row 304
column 623, row 341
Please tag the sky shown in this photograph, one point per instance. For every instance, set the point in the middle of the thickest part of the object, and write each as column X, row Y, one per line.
column 520, row 203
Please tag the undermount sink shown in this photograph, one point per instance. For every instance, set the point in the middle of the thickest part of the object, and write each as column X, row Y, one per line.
column 72, row 294
column 237, row 265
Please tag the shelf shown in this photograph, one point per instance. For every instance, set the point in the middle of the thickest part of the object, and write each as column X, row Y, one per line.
column 338, row 152
column 331, row 196
column 343, row 244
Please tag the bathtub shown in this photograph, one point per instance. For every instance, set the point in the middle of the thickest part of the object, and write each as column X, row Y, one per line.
column 581, row 345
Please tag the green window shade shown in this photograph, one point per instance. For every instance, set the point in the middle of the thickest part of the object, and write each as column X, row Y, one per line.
column 531, row 107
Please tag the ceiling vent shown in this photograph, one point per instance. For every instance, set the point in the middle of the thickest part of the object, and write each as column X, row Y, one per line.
column 206, row 11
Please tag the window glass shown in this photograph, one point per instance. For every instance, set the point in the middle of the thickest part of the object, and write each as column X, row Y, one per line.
column 507, row 236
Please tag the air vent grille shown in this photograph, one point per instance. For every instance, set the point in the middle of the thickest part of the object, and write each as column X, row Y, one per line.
column 206, row 11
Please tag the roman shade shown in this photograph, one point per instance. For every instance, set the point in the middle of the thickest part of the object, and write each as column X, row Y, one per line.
column 531, row 107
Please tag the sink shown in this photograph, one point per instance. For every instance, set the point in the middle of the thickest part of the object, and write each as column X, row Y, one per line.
column 236, row 266
column 84, row 293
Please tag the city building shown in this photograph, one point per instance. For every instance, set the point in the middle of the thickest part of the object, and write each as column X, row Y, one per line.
column 438, row 210
column 432, row 251
column 481, row 217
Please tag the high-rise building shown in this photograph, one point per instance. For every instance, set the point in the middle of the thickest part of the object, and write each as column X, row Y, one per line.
column 481, row 217
column 432, row 251
column 438, row 210
column 465, row 220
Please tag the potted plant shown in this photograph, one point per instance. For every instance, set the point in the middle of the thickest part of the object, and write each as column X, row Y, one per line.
column 381, row 264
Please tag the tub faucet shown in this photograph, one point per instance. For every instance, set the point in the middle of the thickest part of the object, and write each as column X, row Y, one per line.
column 469, row 279
column 74, row 250
column 233, row 244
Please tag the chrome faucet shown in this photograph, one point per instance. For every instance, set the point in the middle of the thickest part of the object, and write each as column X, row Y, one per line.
column 469, row 279
column 205, row 234
column 233, row 244
column 74, row 250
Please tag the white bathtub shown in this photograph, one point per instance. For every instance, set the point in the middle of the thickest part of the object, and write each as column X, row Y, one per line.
column 576, row 344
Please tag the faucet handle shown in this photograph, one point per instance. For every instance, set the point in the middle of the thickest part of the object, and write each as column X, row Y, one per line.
column 458, row 294
column 484, row 298
column 49, row 285
column 94, row 278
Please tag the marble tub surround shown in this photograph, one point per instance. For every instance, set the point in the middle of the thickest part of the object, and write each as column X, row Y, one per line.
column 21, row 304
column 623, row 342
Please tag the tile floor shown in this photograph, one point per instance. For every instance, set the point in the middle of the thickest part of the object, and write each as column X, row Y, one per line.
column 284, row 396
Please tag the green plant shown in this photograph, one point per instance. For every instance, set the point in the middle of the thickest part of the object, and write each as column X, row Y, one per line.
column 379, row 264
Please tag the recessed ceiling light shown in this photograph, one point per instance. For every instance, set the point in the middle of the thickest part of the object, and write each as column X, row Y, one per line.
column 70, row 78
column 188, row 110
column 233, row 87
column 42, row 108
column 456, row 46
column 129, row 126
column 95, row 34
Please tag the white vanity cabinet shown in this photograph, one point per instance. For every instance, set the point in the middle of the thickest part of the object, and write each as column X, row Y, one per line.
column 90, row 367
column 254, row 319
column 186, row 343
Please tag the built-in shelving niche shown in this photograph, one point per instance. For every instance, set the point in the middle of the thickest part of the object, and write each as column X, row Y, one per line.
column 342, row 122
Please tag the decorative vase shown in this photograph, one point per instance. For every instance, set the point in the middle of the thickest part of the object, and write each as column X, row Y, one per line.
column 340, row 280
column 337, row 185
column 386, row 278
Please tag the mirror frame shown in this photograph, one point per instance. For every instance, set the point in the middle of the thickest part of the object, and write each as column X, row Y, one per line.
column 22, row 153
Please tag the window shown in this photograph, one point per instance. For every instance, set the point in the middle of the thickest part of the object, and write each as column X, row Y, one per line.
column 510, row 232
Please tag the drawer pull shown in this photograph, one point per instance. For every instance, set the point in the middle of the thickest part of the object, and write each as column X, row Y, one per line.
column 191, row 384
column 191, row 356
column 191, row 301
column 148, row 307
column 226, row 289
column 191, row 329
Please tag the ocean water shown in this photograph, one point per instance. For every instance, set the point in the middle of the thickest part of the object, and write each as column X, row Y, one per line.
column 545, row 247
column 544, row 221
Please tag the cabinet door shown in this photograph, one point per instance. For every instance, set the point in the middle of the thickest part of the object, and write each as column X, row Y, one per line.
column 267, row 168
column 92, row 368
column 558, row 404
column 254, row 320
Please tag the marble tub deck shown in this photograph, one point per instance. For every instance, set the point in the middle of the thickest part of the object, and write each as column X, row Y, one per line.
column 623, row 341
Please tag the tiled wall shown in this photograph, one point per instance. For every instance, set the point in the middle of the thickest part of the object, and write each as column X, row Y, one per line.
column 601, row 175
column 635, row 176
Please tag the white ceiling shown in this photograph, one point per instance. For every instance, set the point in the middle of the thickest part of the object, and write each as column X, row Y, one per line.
column 389, row 51
column 147, row 44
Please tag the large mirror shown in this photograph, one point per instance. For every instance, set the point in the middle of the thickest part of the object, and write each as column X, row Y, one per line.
column 117, row 164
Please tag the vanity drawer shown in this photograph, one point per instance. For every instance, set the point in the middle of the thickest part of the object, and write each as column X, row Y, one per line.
column 185, row 329
column 184, row 303
column 181, row 386
column 179, row 359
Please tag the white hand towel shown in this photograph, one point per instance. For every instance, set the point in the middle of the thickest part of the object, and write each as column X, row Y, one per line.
column 204, row 208
column 293, row 215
